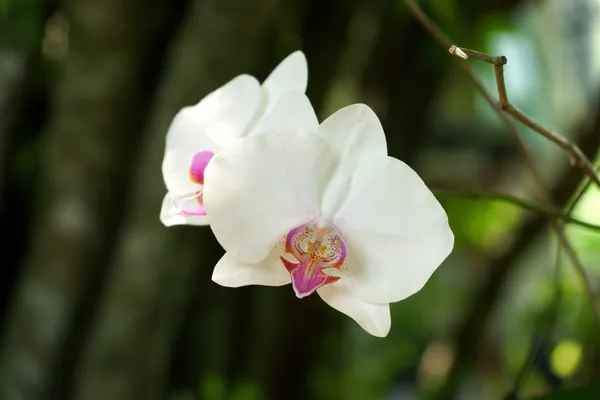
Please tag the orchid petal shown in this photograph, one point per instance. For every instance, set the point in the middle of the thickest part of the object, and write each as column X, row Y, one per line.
column 228, row 109
column 291, row 75
column 216, row 120
column 353, row 132
column 396, row 231
column 170, row 215
column 260, row 187
column 389, row 268
column 188, row 139
column 373, row 318
column 292, row 111
column 232, row 273
column 388, row 197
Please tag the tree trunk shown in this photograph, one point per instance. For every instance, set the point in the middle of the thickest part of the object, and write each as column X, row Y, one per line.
column 18, row 95
column 99, row 105
column 156, row 269
column 22, row 114
column 15, row 67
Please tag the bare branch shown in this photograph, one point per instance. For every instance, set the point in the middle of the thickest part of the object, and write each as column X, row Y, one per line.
column 444, row 40
column 465, row 54
column 576, row 156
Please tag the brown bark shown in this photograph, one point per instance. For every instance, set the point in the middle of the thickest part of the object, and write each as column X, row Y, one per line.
column 15, row 68
column 324, row 35
column 156, row 269
column 99, row 104
column 21, row 114
column 402, row 103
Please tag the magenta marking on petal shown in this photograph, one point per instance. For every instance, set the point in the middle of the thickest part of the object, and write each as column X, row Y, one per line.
column 290, row 266
column 338, row 257
column 316, row 249
column 305, row 280
column 198, row 165
column 198, row 210
column 292, row 240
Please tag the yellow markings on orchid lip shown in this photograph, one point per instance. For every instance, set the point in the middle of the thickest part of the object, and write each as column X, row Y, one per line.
column 195, row 179
column 315, row 253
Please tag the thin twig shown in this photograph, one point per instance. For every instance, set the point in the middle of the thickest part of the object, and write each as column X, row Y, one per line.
column 518, row 202
column 576, row 156
column 547, row 320
column 468, row 53
column 579, row 194
column 444, row 40
column 551, row 311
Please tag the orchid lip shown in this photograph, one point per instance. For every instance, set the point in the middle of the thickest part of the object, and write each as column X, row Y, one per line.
column 196, row 170
column 199, row 210
column 316, row 247
column 198, row 165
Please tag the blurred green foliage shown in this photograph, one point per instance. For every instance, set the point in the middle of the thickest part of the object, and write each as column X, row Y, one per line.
column 4, row 7
column 20, row 25
column 587, row 392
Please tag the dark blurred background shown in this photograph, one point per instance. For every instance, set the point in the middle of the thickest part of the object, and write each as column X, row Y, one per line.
column 99, row 301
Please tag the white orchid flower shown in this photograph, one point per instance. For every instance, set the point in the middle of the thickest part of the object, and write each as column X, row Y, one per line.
column 240, row 107
column 328, row 212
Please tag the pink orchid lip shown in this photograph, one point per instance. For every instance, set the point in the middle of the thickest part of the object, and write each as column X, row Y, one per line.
column 316, row 250
column 198, row 165
column 198, row 210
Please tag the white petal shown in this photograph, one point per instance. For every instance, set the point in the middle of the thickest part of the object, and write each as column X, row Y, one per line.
column 373, row 318
column 388, row 197
column 290, row 75
column 260, row 187
column 216, row 120
column 170, row 215
column 228, row 109
column 292, row 112
column 389, row 268
column 187, row 138
column 396, row 231
column 354, row 131
column 232, row 273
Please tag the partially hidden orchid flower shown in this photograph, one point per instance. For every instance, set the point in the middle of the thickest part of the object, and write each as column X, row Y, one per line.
column 328, row 212
column 240, row 107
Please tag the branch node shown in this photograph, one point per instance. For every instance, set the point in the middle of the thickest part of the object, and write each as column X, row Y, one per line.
column 573, row 161
column 457, row 51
